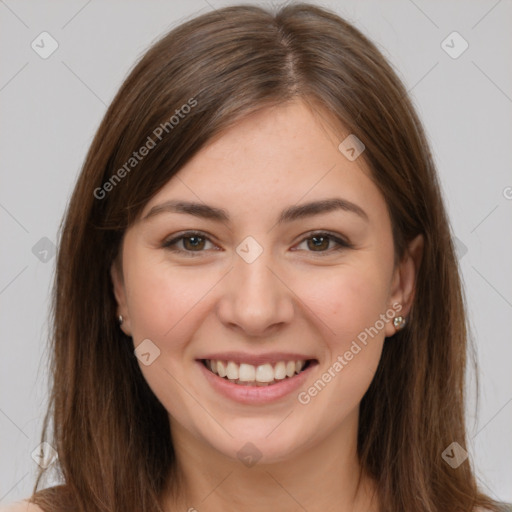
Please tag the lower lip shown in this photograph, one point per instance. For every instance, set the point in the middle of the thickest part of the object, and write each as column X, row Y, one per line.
column 256, row 394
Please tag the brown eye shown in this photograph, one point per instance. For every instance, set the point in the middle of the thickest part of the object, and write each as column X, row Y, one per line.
column 318, row 243
column 192, row 243
column 325, row 243
column 188, row 243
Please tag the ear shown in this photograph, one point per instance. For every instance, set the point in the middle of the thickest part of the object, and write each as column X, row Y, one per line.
column 404, row 281
column 116, row 274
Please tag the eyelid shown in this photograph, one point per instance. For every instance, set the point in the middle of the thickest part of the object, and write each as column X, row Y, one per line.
column 342, row 243
column 167, row 244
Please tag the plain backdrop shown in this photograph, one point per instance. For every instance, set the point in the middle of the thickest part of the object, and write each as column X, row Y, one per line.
column 51, row 108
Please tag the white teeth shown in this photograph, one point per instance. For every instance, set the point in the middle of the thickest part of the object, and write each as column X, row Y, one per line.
column 247, row 372
column 221, row 369
column 290, row 368
column 264, row 373
column 280, row 371
column 261, row 375
column 232, row 370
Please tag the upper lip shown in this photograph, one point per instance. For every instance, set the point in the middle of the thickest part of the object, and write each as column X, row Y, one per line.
column 257, row 359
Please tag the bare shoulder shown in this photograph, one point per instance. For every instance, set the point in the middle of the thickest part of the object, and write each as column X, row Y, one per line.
column 20, row 506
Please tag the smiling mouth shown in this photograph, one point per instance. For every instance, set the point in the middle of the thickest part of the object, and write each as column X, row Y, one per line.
column 261, row 375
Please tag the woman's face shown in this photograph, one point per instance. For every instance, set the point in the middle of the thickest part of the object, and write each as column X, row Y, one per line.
column 260, row 283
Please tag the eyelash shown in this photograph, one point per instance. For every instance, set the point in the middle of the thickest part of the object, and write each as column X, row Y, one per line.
column 341, row 244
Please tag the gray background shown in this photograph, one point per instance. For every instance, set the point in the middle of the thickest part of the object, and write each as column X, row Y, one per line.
column 52, row 107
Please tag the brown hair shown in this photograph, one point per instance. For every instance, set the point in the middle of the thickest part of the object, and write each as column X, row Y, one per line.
column 110, row 431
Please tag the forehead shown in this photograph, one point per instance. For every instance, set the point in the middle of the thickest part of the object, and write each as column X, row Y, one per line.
column 277, row 156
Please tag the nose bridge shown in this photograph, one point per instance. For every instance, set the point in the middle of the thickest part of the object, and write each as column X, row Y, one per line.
column 257, row 299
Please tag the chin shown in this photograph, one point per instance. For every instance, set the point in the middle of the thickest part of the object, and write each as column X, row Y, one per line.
column 260, row 442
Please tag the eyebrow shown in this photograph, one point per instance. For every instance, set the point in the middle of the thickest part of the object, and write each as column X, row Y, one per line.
column 290, row 214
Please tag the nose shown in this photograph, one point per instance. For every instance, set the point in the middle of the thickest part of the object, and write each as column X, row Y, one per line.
column 256, row 299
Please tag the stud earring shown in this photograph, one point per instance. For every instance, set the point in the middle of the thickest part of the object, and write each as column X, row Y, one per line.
column 399, row 322
column 120, row 319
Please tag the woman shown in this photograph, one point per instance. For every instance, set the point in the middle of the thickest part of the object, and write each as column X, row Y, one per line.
column 257, row 304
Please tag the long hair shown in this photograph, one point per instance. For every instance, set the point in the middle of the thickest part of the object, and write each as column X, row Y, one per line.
column 111, row 433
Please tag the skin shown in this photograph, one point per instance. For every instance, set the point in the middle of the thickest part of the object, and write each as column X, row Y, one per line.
column 292, row 298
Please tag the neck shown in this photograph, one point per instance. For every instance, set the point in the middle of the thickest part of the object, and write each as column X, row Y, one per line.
column 324, row 477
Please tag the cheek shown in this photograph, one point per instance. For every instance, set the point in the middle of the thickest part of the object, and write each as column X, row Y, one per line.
column 348, row 305
column 163, row 301
column 347, row 299
column 165, row 307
